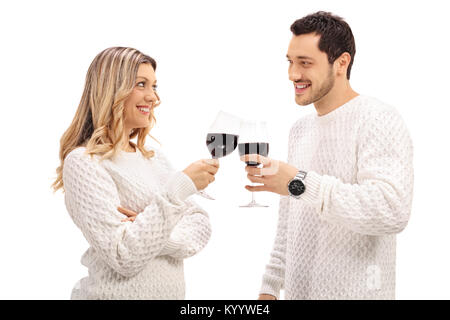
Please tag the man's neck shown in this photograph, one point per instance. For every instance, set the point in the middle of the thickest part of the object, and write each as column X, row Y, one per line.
column 338, row 96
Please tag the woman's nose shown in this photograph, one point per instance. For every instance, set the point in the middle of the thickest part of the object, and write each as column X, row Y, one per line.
column 152, row 97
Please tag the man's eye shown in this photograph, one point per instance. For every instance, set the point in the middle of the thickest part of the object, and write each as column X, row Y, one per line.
column 290, row 61
column 306, row 63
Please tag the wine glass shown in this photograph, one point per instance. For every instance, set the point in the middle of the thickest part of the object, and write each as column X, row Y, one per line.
column 222, row 138
column 254, row 139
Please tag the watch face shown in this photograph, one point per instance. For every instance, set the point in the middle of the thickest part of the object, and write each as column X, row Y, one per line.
column 296, row 187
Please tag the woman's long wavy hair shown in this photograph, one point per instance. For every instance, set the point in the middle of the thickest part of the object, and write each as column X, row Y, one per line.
column 98, row 123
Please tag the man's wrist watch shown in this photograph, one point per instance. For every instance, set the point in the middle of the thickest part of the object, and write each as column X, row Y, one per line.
column 296, row 186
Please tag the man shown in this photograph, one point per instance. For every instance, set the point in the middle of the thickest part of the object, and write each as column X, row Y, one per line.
column 346, row 190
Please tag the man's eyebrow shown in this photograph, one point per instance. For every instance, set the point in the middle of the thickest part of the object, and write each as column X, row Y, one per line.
column 302, row 57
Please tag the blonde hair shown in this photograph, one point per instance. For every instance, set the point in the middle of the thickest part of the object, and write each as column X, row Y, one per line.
column 98, row 122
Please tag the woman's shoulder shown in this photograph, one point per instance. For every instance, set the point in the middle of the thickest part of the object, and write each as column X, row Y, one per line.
column 78, row 151
column 82, row 170
column 79, row 154
column 79, row 159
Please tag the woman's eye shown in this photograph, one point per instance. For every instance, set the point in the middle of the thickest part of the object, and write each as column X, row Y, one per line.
column 155, row 87
column 141, row 84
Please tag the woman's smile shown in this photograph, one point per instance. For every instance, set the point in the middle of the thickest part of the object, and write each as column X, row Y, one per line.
column 144, row 110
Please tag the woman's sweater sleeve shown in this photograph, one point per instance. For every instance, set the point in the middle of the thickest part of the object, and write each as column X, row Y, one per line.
column 190, row 235
column 192, row 229
column 380, row 202
column 273, row 278
column 92, row 199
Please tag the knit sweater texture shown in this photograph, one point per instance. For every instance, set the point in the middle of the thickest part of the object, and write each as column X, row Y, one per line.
column 141, row 259
column 338, row 240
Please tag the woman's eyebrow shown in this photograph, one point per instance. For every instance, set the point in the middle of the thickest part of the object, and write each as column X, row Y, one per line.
column 144, row 78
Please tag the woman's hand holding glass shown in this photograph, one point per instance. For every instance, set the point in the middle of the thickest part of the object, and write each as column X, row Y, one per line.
column 202, row 172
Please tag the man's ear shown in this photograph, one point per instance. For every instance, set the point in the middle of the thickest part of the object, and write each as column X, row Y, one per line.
column 341, row 64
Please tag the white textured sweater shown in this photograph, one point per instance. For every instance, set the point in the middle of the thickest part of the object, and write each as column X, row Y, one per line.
column 338, row 241
column 141, row 259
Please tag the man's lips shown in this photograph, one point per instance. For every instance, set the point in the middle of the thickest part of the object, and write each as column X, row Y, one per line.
column 300, row 88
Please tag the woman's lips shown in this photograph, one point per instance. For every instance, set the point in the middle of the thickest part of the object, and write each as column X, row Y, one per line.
column 144, row 109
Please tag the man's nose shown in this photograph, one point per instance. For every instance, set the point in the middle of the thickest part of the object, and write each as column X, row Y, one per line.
column 294, row 75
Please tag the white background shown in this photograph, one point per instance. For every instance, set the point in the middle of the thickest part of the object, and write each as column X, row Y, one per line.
column 211, row 55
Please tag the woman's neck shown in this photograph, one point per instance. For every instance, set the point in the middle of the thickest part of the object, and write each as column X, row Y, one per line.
column 131, row 147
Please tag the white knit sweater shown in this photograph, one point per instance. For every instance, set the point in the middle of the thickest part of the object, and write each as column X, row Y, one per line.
column 141, row 259
column 338, row 240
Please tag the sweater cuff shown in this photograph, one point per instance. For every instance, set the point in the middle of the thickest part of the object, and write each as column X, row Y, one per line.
column 312, row 188
column 179, row 187
column 170, row 248
column 270, row 286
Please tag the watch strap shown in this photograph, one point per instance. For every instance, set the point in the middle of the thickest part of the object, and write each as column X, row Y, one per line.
column 301, row 175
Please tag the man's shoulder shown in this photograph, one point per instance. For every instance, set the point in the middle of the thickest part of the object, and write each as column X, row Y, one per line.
column 375, row 112
column 372, row 106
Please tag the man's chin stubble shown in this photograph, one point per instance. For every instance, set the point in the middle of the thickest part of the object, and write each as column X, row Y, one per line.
column 303, row 103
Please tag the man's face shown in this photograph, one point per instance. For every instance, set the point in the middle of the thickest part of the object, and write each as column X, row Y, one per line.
column 309, row 69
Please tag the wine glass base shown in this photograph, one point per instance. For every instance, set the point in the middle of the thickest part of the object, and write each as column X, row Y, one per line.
column 205, row 195
column 253, row 204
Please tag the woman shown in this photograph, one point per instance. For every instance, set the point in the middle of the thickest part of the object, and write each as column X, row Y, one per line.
column 130, row 204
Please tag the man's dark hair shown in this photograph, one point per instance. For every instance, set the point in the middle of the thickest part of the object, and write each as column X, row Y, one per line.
column 336, row 37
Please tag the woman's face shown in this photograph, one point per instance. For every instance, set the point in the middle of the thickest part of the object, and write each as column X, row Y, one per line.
column 138, row 105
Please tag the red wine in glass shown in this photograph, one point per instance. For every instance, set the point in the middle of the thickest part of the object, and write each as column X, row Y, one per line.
column 222, row 138
column 261, row 148
column 253, row 140
column 221, row 144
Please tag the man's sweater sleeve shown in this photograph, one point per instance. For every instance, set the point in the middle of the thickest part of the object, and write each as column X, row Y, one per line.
column 273, row 278
column 92, row 199
column 379, row 203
